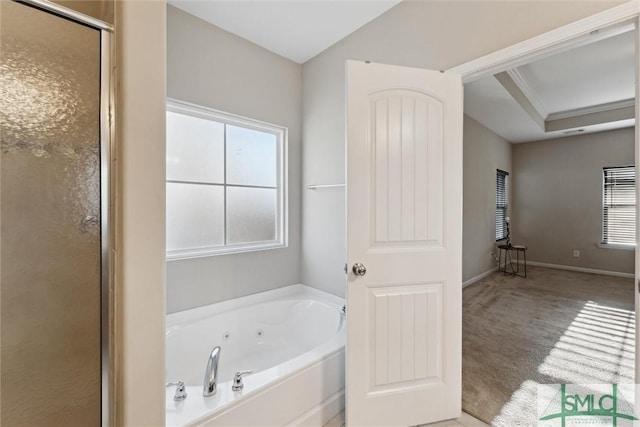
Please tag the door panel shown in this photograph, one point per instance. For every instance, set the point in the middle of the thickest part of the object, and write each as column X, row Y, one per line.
column 50, row 209
column 405, row 335
column 406, row 127
column 404, row 218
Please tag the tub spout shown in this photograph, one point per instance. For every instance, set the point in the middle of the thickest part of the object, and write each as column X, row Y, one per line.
column 211, row 374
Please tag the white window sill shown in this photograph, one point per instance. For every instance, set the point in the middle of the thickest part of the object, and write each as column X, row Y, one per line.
column 226, row 250
column 624, row 247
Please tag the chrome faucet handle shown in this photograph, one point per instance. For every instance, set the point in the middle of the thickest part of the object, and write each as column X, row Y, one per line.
column 181, row 391
column 237, row 380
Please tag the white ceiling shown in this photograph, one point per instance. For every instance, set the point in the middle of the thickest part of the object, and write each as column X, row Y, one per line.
column 584, row 84
column 594, row 74
column 295, row 29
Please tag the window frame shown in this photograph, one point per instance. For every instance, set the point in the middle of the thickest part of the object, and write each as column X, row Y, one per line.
column 282, row 181
column 506, row 205
column 604, row 243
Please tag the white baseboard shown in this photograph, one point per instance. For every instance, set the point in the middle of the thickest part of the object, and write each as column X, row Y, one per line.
column 478, row 277
column 321, row 414
column 580, row 269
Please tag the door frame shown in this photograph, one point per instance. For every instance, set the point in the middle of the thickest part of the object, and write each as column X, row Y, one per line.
column 559, row 40
column 107, row 197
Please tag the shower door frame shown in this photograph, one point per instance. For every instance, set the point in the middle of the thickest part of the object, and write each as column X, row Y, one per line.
column 107, row 183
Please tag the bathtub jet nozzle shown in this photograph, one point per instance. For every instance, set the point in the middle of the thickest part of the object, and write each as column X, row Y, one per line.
column 211, row 373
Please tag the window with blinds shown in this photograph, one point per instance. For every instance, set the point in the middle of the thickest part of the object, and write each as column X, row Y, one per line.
column 619, row 205
column 502, row 192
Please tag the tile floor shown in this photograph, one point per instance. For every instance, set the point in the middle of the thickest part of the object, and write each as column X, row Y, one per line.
column 465, row 420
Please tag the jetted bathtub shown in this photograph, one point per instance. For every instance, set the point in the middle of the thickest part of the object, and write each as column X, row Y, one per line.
column 293, row 340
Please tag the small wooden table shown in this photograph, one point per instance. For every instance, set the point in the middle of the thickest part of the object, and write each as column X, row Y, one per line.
column 508, row 267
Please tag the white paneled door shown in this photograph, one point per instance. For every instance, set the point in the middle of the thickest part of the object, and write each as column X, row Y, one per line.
column 404, row 222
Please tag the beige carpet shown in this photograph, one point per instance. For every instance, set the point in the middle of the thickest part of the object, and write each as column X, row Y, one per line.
column 552, row 327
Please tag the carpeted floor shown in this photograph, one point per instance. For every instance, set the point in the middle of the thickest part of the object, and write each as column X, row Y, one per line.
column 553, row 327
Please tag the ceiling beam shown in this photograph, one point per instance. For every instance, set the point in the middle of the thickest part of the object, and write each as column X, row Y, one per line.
column 616, row 105
column 581, row 117
column 521, row 97
column 528, row 91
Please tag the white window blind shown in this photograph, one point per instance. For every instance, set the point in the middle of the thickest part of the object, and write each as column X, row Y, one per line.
column 619, row 205
column 501, row 204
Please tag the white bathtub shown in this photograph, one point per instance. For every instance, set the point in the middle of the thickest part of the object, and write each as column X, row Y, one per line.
column 293, row 340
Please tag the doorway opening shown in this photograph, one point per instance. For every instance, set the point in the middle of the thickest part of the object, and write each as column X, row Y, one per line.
column 559, row 132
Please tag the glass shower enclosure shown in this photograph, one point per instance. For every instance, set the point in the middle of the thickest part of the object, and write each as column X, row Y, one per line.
column 54, row 216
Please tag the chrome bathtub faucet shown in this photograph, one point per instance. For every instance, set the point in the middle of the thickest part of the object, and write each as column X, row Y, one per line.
column 211, row 373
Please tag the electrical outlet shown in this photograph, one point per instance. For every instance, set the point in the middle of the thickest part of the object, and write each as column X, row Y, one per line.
column 576, row 253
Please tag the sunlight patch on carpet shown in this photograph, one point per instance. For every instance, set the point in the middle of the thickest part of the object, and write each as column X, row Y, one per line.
column 597, row 347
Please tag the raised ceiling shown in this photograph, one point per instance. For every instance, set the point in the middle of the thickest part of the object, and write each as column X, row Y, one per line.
column 589, row 88
column 295, row 29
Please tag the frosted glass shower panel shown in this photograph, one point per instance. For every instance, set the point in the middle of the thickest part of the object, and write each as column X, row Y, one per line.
column 251, row 214
column 251, row 157
column 195, row 149
column 195, row 216
column 50, row 233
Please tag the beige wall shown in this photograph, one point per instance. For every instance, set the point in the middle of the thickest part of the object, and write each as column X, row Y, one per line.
column 214, row 68
column 140, row 244
column 557, row 198
column 100, row 9
column 427, row 34
column 484, row 152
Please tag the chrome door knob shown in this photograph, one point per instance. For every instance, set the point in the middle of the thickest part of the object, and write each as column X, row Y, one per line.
column 359, row 269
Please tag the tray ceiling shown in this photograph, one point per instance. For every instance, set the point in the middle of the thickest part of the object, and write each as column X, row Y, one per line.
column 590, row 88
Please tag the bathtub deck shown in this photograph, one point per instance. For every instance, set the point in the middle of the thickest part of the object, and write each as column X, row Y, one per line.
column 465, row 420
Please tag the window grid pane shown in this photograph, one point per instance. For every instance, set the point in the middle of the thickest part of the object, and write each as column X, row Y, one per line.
column 195, row 149
column 251, row 157
column 195, row 216
column 251, row 214
column 619, row 205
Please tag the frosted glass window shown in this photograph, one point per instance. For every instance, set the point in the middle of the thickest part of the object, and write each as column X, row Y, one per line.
column 195, row 149
column 251, row 157
column 226, row 178
column 251, row 214
column 195, row 216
